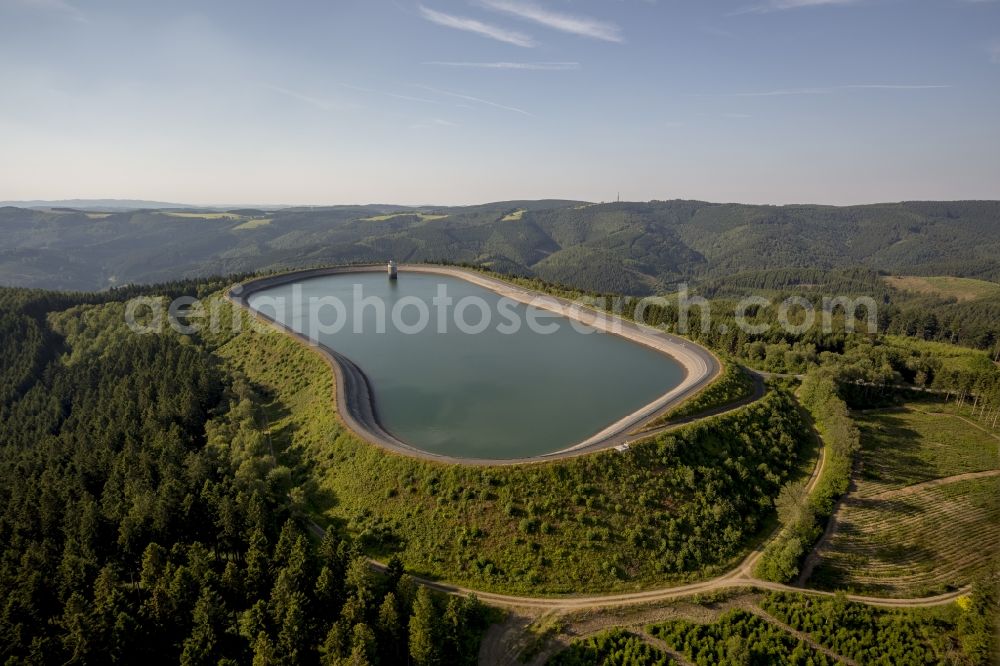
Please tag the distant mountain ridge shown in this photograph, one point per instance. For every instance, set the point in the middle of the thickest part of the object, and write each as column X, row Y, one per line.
column 622, row 246
column 95, row 204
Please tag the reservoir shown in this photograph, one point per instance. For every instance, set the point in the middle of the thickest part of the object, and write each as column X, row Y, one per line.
column 445, row 384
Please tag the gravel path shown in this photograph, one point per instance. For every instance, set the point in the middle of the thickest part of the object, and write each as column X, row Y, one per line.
column 357, row 408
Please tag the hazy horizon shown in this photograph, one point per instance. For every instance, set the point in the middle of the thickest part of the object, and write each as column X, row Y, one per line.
column 459, row 102
column 30, row 203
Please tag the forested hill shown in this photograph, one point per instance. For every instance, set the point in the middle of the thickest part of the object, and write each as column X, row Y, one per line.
column 619, row 247
column 149, row 519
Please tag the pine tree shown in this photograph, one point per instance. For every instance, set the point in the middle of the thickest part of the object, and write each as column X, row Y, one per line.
column 294, row 625
column 257, row 564
column 390, row 630
column 362, row 645
column 264, row 653
column 424, row 630
column 201, row 646
column 393, row 572
column 75, row 624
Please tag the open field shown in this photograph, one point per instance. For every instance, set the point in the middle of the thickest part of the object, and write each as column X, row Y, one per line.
column 962, row 289
column 207, row 216
column 923, row 515
column 916, row 444
column 742, row 626
column 253, row 224
column 515, row 216
column 424, row 217
column 928, row 541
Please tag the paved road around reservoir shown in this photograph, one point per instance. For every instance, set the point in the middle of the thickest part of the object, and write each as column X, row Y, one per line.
column 357, row 408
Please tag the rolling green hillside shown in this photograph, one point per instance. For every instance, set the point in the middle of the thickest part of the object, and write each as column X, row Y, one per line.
column 624, row 247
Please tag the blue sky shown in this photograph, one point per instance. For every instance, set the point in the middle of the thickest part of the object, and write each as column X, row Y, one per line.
column 464, row 101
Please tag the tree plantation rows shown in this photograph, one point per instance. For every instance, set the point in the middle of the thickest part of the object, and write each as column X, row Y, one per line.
column 788, row 628
column 738, row 637
column 957, row 635
column 615, row 647
column 146, row 519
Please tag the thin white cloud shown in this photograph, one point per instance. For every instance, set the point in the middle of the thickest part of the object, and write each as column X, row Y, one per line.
column 828, row 90
column 781, row 5
column 322, row 104
column 409, row 98
column 577, row 25
column 538, row 66
column 477, row 27
column 477, row 100
column 433, row 122
column 891, row 86
column 781, row 93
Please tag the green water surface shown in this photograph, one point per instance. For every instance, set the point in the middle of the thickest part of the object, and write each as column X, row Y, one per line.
column 492, row 395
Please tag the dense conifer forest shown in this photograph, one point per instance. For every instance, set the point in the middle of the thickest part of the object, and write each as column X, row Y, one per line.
column 146, row 519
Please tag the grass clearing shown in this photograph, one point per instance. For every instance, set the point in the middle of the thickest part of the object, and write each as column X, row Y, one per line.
column 962, row 289
column 919, row 544
column 424, row 217
column 895, row 539
column 206, row 216
column 253, row 224
column 916, row 444
column 515, row 216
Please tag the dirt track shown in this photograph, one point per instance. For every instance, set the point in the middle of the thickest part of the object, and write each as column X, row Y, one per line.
column 933, row 483
column 356, row 407
column 739, row 577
